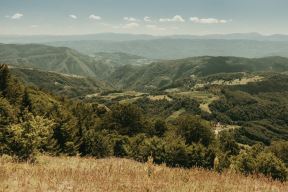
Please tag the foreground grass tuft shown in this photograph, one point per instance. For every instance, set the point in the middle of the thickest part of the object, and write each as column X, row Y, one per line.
column 87, row 174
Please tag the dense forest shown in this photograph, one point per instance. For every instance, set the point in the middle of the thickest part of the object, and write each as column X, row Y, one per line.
column 35, row 121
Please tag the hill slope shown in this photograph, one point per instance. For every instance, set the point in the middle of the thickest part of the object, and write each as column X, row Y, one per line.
column 128, row 71
column 167, row 73
column 61, row 84
column 119, row 58
column 85, row 174
column 58, row 59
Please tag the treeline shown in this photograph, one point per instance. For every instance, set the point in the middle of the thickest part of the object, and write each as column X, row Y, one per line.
column 33, row 121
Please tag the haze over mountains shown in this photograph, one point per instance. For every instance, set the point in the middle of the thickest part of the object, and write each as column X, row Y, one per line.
column 181, row 48
column 167, row 47
column 131, row 37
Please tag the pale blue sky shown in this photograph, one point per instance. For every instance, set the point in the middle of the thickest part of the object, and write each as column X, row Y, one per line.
column 162, row 17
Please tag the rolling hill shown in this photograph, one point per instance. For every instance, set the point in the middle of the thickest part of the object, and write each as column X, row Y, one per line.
column 119, row 59
column 61, row 84
column 168, row 73
column 125, row 71
column 57, row 59
column 66, row 60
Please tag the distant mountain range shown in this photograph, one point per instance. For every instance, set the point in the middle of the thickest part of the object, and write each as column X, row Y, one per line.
column 249, row 45
column 65, row 60
column 111, row 68
column 182, row 48
column 131, row 37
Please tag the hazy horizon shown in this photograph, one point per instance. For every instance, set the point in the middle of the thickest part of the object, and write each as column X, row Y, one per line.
column 144, row 34
column 160, row 18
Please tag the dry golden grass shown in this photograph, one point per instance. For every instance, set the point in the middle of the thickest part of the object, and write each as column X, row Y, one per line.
column 159, row 97
column 87, row 174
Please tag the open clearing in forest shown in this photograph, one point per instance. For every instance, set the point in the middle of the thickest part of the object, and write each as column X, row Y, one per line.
column 205, row 98
column 175, row 115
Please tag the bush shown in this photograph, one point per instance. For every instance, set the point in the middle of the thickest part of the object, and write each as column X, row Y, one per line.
column 200, row 156
column 228, row 144
column 195, row 130
column 142, row 147
column 171, row 151
column 244, row 163
column 97, row 144
column 269, row 165
column 221, row 162
column 120, row 145
column 25, row 139
column 159, row 128
column 176, row 153
column 256, row 160
column 125, row 119
column 280, row 149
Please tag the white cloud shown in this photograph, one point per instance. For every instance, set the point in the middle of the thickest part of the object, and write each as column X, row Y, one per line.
column 130, row 19
column 34, row 26
column 155, row 27
column 73, row 16
column 147, row 19
column 15, row 16
column 94, row 17
column 176, row 18
column 130, row 25
column 208, row 20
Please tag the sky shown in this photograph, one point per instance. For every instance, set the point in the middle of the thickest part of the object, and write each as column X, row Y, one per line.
column 156, row 17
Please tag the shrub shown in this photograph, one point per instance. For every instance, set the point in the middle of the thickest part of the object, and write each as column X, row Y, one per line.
column 228, row 144
column 25, row 139
column 159, row 128
column 195, row 130
column 142, row 147
column 176, row 153
column 200, row 156
column 97, row 144
column 221, row 162
column 244, row 163
column 269, row 165
column 256, row 160
column 280, row 149
column 125, row 119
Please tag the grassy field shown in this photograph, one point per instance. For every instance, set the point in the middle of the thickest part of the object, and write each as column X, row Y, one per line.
column 87, row 174
column 205, row 98
column 176, row 114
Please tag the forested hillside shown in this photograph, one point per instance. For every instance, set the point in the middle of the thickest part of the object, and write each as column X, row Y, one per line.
column 259, row 107
column 143, row 96
column 177, row 72
column 59, row 83
column 233, row 91
column 132, row 72
column 57, row 59
column 34, row 121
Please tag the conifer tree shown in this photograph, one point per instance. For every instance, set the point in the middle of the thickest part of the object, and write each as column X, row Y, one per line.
column 4, row 79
